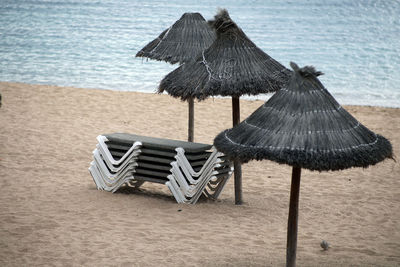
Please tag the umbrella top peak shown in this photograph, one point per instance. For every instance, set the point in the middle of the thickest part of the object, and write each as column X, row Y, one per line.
column 303, row 80
column 195, row 15
column 222, row 22
column 306, row 71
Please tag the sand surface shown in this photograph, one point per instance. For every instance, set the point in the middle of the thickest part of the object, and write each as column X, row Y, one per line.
column 52, row 214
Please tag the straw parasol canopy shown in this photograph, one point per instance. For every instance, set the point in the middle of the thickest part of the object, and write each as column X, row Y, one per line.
column 302, row 125
column 182, row 42
column 232, row 66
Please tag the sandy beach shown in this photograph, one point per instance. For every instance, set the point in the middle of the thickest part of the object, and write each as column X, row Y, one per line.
column 51, row 213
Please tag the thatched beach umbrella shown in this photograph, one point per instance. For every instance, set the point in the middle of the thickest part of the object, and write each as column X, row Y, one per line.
column 302, row 125
column 182, row 42
column 232, row 66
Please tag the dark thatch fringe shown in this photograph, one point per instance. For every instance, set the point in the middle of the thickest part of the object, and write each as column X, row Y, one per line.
column 182, row 42
column 302, row 125
column 232, row 66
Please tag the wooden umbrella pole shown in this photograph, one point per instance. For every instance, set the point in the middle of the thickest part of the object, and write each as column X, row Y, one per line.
column 191, row 120
column 236, row 164
column 291, row 245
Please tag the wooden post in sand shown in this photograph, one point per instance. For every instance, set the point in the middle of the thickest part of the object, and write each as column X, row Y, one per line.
column 291, row 245
column 236, row 164
column 191, row 120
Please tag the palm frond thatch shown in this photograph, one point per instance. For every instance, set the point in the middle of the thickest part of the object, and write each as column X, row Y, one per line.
column 232, row 66
column 302, row 125
column 182, row 42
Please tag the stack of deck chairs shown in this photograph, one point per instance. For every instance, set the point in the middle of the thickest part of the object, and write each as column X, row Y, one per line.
column 189, row 170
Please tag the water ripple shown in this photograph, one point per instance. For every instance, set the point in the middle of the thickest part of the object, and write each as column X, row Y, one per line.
column 92, row 43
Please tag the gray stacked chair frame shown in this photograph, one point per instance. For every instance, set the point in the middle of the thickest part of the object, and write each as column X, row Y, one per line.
column 188, row 169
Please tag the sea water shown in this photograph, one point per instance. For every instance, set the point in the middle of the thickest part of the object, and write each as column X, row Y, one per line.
column 92, row 44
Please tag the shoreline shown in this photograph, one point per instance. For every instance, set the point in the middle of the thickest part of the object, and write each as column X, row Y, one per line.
column 52, row 213
column 244, row 97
